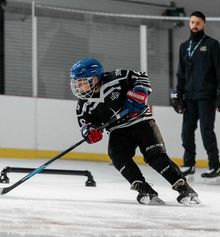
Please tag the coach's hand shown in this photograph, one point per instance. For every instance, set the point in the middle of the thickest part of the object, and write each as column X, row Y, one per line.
column 179, row 106
column 177, row 102
column 91, row 133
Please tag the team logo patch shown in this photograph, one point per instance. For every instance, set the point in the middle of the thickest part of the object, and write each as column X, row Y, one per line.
column 114, row 95
column 203, row 49
column 118, row 72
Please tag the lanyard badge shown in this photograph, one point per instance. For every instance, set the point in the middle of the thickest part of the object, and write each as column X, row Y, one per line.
column 192, row 51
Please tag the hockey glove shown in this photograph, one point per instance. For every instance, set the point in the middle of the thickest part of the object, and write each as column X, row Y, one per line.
column 91, row 133
column 177, row 103
column 218, row 103
column 136, row 101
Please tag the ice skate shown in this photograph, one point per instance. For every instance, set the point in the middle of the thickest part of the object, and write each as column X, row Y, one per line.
column 212, row 176
column 187, row 170
column 212, row 173
column 187, row 196
column 147, row 195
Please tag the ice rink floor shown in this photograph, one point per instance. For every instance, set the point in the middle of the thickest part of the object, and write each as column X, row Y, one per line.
column 62, row 206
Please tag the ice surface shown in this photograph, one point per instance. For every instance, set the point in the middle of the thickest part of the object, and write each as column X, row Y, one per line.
column 62, row 206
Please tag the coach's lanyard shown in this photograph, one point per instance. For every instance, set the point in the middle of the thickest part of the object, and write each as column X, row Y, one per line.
column 190, row 53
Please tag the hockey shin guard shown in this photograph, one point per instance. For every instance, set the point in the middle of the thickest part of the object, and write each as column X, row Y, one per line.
column 166, row 167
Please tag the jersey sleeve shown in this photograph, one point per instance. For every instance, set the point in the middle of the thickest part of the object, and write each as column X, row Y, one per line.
column 83, row 115
column 140, row 79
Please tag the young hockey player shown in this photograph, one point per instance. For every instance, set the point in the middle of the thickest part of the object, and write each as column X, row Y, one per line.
column 101, row 97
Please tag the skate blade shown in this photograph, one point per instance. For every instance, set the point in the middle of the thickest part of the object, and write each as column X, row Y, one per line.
column 189, row 201
column 154, row 201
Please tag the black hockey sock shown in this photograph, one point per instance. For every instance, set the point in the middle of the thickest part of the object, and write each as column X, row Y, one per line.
column 131, row 172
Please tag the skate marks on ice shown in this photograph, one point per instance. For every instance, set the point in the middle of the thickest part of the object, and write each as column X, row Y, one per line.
column 60, row 206
column 32, row 217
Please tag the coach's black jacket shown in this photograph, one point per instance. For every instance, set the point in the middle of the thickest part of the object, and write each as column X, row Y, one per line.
column 199, row 77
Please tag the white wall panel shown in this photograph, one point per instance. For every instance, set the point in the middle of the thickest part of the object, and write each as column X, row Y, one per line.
column 17, row 122
column 43, row 124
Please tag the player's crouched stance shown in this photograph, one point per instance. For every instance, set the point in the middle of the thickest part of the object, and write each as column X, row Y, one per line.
column 101, row 97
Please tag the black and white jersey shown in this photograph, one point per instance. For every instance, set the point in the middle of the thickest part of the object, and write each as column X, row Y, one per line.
column 110, row 101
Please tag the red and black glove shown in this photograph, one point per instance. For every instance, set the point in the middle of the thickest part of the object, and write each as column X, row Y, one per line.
column 91, row 133
column 136, row 102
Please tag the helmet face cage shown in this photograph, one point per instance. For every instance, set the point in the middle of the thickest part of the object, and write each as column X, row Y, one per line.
column 83, row 77
column 83, row 88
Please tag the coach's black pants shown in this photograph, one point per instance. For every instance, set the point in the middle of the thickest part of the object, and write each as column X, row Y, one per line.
column 204, row 111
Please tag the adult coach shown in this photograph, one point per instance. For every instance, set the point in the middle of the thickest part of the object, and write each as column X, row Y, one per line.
column 198, row 94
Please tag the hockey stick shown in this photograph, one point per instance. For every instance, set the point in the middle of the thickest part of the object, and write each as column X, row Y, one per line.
column 42, row 167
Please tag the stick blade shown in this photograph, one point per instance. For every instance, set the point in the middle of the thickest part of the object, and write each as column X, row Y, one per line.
column 1, row 191
column 5, row 190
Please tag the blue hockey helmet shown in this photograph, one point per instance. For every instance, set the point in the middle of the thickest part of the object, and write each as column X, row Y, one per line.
column 85, row 76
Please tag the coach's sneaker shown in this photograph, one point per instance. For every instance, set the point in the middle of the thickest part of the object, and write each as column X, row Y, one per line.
column 187, row 196
column 187, row 170
column 147, row 195
column 212, row 173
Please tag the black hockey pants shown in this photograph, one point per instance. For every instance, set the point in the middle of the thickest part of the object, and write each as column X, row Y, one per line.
column 145, row 135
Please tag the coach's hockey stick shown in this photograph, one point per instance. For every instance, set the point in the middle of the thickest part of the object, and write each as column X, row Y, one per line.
column 42, row 167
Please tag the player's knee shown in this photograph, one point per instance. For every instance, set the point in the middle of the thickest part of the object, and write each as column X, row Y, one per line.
column 152, row 155
column 157, row 159
column 120, row 158
column 118, row 164
column 117, row 160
